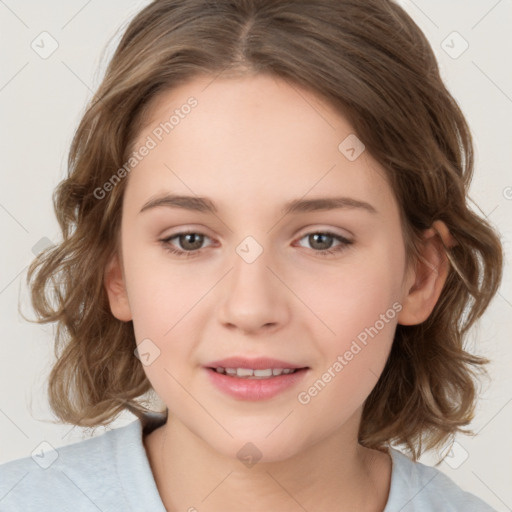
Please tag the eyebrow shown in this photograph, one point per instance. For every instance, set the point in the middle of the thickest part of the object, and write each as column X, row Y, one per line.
column 205, row 205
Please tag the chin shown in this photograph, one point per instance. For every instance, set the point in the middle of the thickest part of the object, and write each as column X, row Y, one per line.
column 255, row 449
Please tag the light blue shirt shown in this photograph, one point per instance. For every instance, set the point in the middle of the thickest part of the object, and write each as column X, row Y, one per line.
column 111, row 473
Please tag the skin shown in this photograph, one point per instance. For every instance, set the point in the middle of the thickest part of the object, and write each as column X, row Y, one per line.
column 250, row 145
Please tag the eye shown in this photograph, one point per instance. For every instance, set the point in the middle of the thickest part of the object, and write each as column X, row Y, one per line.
column 190, row 241
column 322, row 242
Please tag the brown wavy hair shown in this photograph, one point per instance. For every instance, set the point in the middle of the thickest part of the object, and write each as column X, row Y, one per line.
column 369, row 61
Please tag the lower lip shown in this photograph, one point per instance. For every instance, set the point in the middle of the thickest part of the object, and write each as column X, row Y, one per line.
column 255, row 389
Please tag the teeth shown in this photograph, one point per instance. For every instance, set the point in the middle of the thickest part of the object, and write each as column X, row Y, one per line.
column 244, row 372
column 254, row 374
column 262, row 373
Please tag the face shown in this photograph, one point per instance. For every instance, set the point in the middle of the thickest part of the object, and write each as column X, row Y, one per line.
column 270, row 272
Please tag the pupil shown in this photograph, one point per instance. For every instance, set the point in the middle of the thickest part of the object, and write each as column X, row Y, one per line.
column 194, row 239
column 315, row 240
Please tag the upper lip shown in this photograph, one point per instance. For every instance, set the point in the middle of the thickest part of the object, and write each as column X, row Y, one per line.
column 259, row 363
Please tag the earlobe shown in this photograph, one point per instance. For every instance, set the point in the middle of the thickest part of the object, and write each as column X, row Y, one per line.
column 425, row 283
column 115, row 287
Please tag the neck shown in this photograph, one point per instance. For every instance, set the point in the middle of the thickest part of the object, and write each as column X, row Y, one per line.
column 334, row 474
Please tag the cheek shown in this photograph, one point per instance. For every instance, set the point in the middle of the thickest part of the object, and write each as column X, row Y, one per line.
column 359, row 327
column 166, row 300
column 362, row 291
column 358, row 305
column 352, row 360
column 162, row 292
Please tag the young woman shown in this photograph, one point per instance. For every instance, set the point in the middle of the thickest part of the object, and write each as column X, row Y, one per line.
column 265, row 224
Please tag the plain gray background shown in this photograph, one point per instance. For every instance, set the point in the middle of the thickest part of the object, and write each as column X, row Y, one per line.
column 42, row 98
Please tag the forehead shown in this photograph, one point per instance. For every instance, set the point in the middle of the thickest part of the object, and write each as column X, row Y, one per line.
column 245, row 139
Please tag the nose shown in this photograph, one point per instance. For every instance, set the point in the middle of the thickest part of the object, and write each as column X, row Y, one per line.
column 253, row 298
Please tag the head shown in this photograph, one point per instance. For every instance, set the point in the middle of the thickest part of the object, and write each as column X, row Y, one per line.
column 263, row 102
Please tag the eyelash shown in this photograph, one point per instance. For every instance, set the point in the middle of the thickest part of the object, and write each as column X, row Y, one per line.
column 166, row 242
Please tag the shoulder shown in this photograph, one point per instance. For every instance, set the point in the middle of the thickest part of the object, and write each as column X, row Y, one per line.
column 416, row 487
column 78, row 477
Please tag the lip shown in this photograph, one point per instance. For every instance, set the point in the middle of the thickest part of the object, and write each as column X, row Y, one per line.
column 259, row 363
column 254, row 389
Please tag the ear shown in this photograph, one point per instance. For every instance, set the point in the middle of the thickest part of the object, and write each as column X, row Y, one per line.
column 115, row 287
column 425, row 282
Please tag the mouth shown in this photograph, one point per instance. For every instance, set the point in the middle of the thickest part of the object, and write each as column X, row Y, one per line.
column 254, row 379
column 251, row 373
